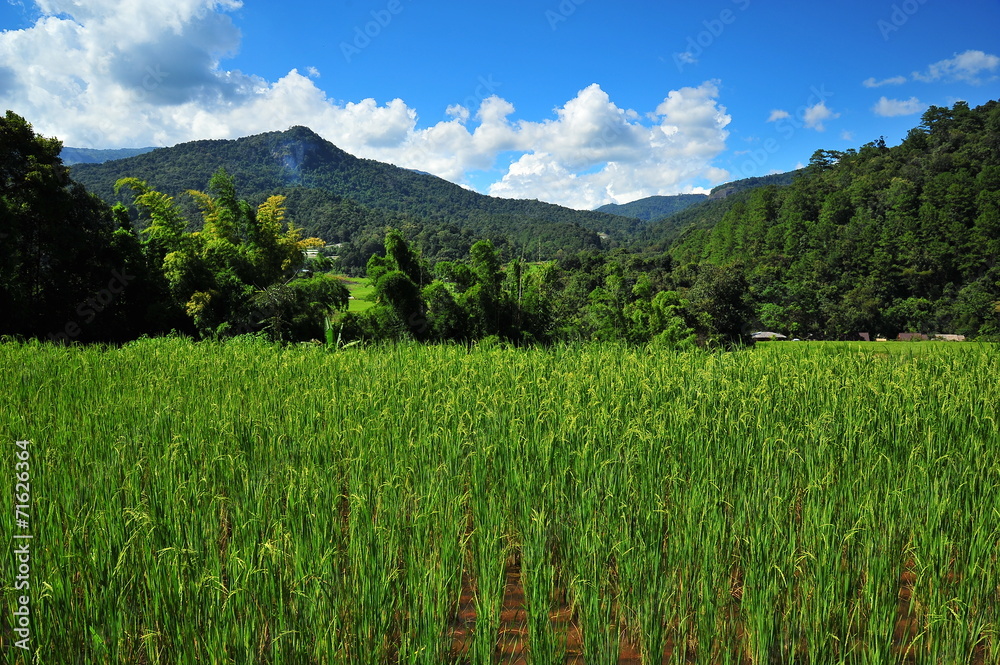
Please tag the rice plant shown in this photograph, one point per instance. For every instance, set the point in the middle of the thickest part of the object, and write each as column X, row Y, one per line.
column 244, row 502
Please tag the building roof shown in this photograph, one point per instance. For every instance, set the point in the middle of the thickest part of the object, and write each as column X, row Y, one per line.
column 765, row 335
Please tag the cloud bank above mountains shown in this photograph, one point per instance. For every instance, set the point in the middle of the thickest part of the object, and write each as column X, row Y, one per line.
column 109, row 73
column 574, row 118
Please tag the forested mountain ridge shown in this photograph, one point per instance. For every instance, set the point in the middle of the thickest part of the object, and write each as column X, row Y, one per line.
column 776, row 179
column 654, row 207
column 71, row 156
column 882, row 239
column 660, row 208
column 344, row 199
column 697, row 212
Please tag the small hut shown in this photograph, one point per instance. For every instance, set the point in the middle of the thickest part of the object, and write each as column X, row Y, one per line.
column 767, row 336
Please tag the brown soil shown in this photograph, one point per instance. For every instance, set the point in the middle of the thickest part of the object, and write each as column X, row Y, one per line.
column 512, row 642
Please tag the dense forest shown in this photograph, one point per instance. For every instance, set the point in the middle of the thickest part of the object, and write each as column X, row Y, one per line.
column 880, row 240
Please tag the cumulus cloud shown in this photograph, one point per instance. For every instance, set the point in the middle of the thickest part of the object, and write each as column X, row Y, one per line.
column 778, row 114
column 970, row 67
column 596, row 152
column 114, row 73
column 888, row 108
column 873, row 83
column 104, row 73
column 818, row 114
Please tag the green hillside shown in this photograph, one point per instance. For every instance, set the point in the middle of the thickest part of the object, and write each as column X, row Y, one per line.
column 880, row 239
column 894, row 239
column 344, row 199
column 654, row 207
column 776, row 179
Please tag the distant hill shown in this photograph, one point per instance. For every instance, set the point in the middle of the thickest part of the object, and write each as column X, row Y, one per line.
column 659, row 234
column 344, row 199
column 704, row 214
column 663, row 208
column 72, row 156
column 777, row 179
column 653, row 207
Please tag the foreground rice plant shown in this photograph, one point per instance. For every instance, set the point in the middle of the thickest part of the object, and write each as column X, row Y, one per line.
column 242, row 502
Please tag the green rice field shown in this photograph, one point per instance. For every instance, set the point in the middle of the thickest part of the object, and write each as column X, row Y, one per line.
column 241, row 502
column 361, row 292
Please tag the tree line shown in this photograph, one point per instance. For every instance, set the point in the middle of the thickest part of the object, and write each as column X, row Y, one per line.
column 878, row 240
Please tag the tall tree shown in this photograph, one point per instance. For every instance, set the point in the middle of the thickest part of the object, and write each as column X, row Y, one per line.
column 60, row 268
column 230, row 275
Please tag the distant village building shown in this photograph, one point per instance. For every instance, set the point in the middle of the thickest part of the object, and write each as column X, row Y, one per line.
column 950, row 338
column 865, row 336
column 767, row 336
column 912, row 337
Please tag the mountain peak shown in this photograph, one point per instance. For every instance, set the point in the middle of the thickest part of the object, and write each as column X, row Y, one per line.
column 302, row 133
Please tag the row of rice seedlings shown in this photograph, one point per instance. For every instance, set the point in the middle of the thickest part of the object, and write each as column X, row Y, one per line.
column 546, row 641
column 646, row 594
column 490, row 545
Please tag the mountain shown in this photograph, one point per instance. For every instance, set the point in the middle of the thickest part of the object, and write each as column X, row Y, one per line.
column 653, row 207
column 344, row 199
column 777, row 179
column 667, row 211
column 72, row 156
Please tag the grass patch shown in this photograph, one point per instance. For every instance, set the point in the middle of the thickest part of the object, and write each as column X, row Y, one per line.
column 360, row 291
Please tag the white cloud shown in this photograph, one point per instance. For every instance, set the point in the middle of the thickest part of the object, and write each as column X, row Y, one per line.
column 596, row 153
column 888, row 108
column 778, row 114
column 114, row 73
column 872, row 83
column 816, row 115
column 969, row 67
column 847, row 135
column 458, row 112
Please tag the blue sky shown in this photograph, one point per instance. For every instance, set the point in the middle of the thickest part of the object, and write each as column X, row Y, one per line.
column 578, row 102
